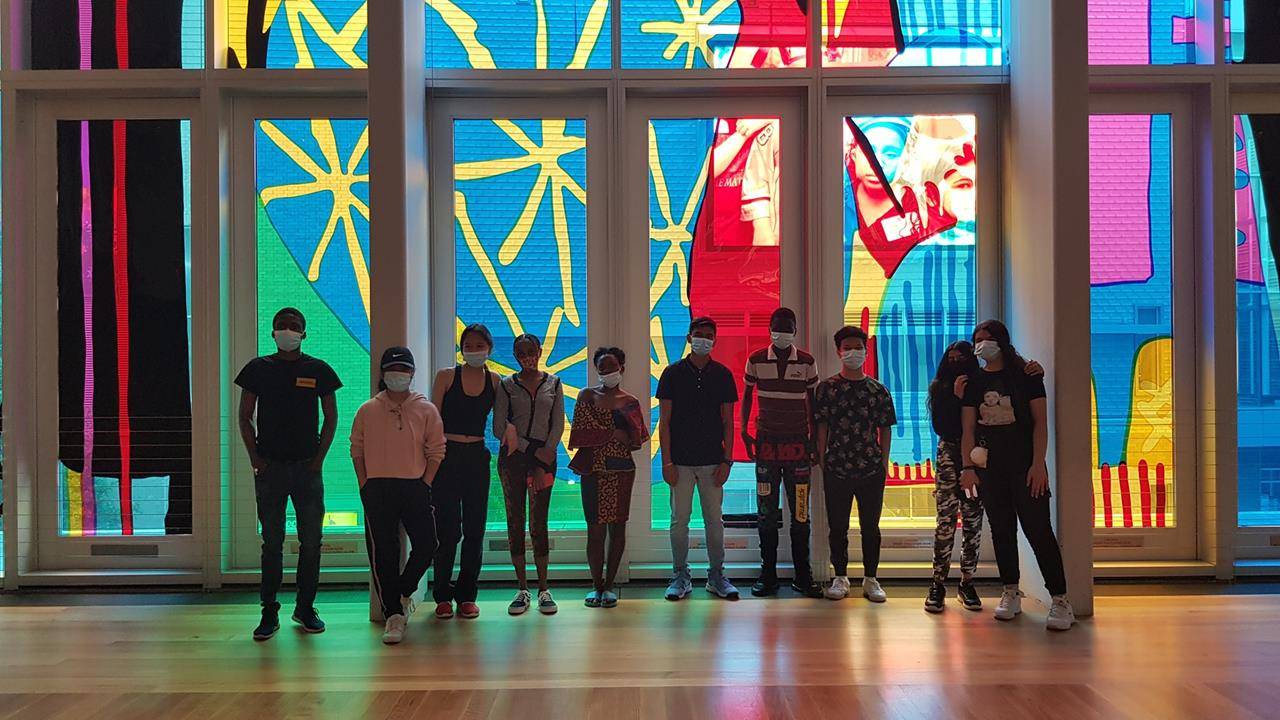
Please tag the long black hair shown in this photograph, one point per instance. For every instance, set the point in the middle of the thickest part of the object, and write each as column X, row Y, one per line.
column 944, row 379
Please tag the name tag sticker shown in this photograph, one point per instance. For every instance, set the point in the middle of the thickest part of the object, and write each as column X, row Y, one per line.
column 305, row 382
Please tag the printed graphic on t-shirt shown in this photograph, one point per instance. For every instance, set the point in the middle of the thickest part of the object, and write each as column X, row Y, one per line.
column 996, row 409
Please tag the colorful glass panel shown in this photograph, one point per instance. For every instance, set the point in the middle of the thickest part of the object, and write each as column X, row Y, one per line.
column 910, row 253
column 1131, row 320
column 1142, row 32
column 683, row 34
column 312, row 181
column 519, row 34
column 88, row 35
column 879, row 33
column 520, row 234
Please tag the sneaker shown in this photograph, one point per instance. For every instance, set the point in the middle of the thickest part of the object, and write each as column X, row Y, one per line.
column 608, row 599
column 520, row 604
column 408, row 606
column 444, row 610
column 270, row 624
column 1010, row 605
column 546, row 605
column 680, row 587
column 936, row 601
column 468, row 610
column 872, row 591
column 593, row 599
column 393, row 631
column 309, row 620
column 806, row 587
column 1061, row 616
column 839, row 589
column 764, row 587
column 722, row 588
column 968, row 595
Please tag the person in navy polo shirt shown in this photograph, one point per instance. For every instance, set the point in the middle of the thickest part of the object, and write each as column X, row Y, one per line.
column 287, row 446
column 695, row 427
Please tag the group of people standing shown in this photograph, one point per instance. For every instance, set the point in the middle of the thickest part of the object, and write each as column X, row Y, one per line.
column 423, row 465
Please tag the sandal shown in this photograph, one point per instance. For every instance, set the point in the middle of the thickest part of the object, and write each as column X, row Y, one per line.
column 608, row 599
column 592, row 600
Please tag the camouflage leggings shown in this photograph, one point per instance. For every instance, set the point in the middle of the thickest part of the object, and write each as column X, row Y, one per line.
column 952, row 502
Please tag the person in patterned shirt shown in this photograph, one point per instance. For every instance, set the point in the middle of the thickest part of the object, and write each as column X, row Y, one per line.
column 854, row 413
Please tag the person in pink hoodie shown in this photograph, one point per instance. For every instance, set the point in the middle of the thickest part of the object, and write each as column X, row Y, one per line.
column 397, row 443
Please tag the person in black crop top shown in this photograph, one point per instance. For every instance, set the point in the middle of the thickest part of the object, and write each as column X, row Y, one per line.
column 946, row 392
column 460, row 495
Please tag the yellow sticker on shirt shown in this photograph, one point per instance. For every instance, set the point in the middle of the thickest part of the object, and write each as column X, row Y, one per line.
column 305, row 382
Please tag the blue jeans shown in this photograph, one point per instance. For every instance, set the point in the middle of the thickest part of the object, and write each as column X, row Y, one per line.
column 278, row 483
column 711, row 497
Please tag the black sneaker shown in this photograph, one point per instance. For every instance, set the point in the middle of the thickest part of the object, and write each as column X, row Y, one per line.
column 807, row 587
column 968, row 595
column 764, row 587
column 936, row 601
column 309, row 620
column 270, row 624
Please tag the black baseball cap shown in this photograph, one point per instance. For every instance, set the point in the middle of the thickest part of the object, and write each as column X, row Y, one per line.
column 397, row 356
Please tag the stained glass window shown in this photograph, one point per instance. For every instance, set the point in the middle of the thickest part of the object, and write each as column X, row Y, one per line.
column 910, row 253
column 124, row 389
column 297, row 34
column 1250, row 29
column 1142, row 32
column 1131, row 319
column 1257, row 189
column 69, row 34
column 519, row 34
column 682, row 34
column 520, row 239
column 312, row 180
column 714, row 244
column 879, row 33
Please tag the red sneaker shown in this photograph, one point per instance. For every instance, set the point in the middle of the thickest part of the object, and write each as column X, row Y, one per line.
column 444, row 610
column 468, row 610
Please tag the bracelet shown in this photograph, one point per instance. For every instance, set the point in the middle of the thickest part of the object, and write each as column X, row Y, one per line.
column 969, row 467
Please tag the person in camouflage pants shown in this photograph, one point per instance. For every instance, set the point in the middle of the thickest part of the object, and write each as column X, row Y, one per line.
column 952, row 501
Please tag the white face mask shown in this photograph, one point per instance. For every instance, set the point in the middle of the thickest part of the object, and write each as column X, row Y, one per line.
column 987, row 350
column 397, row 381
column 476, row 359
column 611, row 380
column 287, row 340
column 782, row 340
column 701, row 346
column 854, row 359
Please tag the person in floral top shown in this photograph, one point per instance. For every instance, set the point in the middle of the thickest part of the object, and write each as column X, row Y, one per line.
column 854, row 413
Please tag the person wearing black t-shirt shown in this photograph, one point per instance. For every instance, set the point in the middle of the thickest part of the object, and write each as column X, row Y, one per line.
column 287, row 446
column 1005, row 438
column 696, row 396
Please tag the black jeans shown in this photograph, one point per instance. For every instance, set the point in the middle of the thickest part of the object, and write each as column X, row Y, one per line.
column 460, row 497
column 1005, row 495
column 390, row 503
column 770, row 480
column 840, row 493
column 278, row 483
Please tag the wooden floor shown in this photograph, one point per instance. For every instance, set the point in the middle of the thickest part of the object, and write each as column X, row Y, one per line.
column 1165, row 652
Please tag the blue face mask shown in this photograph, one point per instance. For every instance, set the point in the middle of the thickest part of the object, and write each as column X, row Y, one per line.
column 701, row 346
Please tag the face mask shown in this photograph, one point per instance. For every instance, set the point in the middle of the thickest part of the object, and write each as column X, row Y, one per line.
column 988, row 350
column 397, row 381
column 611, row 380
column 854, row 359
column 475, row 359
column 782, row 340
column 701, row 346
column 287, row 340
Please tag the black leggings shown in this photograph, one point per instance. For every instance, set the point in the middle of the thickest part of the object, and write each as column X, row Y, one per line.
column 388, row 504
column 460, row 497
column 1008, row 500
column 840, row 493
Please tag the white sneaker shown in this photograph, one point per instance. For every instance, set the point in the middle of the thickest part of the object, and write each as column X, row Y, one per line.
column 1061, row 616
column 393, row 632
column 409, row 606
column 839, row 589
column 872, row 591
column 1010, row 605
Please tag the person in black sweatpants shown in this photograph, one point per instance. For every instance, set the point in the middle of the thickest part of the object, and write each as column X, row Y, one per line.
column 1003, row 449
